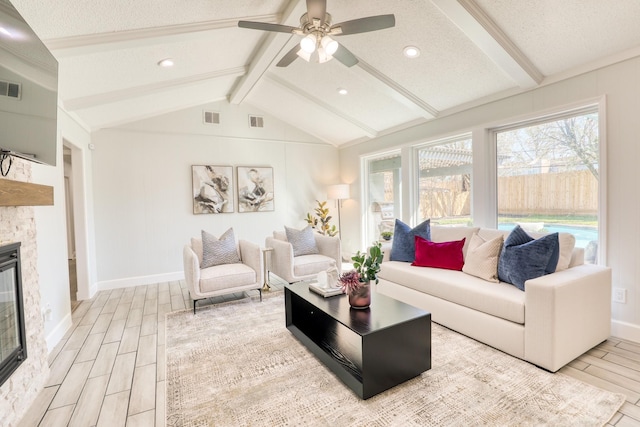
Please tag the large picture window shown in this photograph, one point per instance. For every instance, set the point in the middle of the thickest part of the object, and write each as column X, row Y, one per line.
column 444, row 182
column 383, row 191
column 548, row 177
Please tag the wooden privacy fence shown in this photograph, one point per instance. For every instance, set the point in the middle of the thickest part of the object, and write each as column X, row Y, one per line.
column 567, row 193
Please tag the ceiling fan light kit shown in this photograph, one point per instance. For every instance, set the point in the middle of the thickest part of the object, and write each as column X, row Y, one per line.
column 330, row 45
column 316, row 29
column 308, row 43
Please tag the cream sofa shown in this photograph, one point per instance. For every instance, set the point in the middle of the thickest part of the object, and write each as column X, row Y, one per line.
column 556, row 319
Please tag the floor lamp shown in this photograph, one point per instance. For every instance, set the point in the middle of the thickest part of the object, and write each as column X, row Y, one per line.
column 338, row 192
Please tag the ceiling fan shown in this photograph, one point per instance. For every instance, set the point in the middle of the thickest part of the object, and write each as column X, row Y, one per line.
column 317, row 43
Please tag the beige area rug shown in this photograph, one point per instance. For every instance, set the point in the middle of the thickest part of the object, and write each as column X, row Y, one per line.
column 236, row 364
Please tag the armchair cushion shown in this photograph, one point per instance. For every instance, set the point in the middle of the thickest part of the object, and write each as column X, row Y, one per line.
column 226, row 276
column 302, row 241
column 219, row 251
column 305, row 265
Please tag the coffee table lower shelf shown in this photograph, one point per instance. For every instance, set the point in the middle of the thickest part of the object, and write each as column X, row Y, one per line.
column 370, row 351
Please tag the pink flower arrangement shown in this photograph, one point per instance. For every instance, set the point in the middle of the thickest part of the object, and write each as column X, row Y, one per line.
column 350, row 281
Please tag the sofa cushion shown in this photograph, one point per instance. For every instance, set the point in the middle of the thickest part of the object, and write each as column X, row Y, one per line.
column 523, row 258
column 217, row 251
column 482, row 258
column 567, row 244
column 302, row 241
column 305, row 265
column 403, row 246
column 443, row 233
column 497, row 299
column 439, row 255
column 226, row 276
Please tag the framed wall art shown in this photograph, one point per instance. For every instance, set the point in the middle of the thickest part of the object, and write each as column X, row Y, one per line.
column 255, row 189
column 212, row 189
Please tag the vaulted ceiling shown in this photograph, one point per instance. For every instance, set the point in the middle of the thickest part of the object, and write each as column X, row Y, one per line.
column 472, row 51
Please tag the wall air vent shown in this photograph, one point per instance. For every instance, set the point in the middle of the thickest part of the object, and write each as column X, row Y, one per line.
column 256, row 122
column 12, row 90
column 210, row 118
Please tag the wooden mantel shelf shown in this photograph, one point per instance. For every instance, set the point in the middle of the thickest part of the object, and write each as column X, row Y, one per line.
column 17, row 193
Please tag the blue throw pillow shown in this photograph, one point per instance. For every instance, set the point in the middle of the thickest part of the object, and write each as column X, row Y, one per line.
column 524, row 257
column 403, row 247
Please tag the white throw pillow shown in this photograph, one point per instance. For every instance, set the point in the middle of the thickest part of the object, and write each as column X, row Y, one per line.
column 482, row 257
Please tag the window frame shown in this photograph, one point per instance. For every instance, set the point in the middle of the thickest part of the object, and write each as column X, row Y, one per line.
column 365, row 213
column 596, row 106
column 415, row 170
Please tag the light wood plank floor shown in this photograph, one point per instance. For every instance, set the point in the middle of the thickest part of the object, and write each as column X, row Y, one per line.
column 108, row 370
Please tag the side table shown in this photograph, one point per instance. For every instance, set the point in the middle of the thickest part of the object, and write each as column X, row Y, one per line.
column 265, row 258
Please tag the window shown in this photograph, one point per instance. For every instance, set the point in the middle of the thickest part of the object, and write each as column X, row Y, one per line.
column 548, row 177
column 444, row 182
column 383, row 203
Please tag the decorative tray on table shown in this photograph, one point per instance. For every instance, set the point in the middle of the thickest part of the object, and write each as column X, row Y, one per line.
column 325, row 292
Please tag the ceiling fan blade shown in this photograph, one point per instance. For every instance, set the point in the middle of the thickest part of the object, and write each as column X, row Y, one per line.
column 345, row 56
column 289, row 57
column 317, row 9
column 363, row 25
column 266, row 26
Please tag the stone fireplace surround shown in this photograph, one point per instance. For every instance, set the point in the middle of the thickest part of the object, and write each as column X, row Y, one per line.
column 17, row 224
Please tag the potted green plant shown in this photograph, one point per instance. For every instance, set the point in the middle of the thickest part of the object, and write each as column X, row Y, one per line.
column 386, row 235
column 321, row 223
column 356, row 283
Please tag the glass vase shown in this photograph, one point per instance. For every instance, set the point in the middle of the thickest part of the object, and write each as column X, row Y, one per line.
column 360, row 298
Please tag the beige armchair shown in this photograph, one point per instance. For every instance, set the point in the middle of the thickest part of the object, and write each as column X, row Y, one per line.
column 293, row 269
column 222, row 279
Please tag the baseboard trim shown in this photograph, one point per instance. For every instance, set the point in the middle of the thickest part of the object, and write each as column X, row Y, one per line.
column 626, row 331
column 58, row 332
column 140, row 280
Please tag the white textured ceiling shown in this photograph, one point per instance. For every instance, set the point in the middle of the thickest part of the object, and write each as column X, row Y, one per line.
column 470, row 50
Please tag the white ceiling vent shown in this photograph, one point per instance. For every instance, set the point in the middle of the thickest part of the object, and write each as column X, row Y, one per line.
column 256, row 122
column 12, row 90
column 210, row 118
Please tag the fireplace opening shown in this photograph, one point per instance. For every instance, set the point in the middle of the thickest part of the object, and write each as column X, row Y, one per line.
column 13, row 345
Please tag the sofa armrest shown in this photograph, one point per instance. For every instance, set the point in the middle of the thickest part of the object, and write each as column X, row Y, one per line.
column 251, row 255
column 386, row 251
column 331, row 247
column 566, row 313
column 191, row 270
column 281, row 258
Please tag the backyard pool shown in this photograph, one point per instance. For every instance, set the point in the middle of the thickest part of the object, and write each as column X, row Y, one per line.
column 583, row 235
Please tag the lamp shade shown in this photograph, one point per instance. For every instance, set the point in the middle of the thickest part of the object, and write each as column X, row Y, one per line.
column 338, row 192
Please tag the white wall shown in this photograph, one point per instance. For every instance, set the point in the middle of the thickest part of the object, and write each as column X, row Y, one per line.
column 621, row 86
column 52, row 239
column 142, row 187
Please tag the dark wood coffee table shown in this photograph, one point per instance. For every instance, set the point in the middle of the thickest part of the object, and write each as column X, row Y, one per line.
column 370, row 350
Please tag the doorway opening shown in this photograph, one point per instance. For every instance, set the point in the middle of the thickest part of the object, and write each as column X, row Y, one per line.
column 71, row 239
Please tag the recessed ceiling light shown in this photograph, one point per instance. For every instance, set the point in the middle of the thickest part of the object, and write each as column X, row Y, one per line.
column 411, row 52
column 342, row 91
column 167, row 62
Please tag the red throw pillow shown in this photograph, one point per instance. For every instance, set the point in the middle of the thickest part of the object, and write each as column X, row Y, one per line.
column 439, row 255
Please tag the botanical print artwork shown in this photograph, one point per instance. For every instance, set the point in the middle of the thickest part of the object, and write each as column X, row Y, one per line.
column 255, row 189
column 212, row 189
